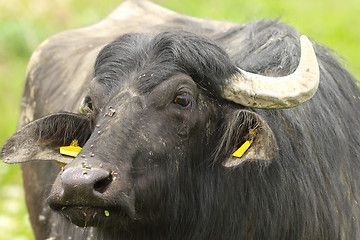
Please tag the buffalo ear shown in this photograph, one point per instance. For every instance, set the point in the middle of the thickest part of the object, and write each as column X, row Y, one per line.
column 42, row 138
column 243, row 126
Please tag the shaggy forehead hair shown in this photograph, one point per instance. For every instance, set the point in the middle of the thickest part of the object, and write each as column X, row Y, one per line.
column 147, row 60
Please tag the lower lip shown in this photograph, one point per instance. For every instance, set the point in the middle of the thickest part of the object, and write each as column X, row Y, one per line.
column 91, row 216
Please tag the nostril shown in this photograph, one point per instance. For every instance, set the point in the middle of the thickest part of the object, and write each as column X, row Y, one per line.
column 101, row 185
column 87, row 182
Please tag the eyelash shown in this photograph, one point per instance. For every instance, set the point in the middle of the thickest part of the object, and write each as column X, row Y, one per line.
column 86, row 106
column 183, row 99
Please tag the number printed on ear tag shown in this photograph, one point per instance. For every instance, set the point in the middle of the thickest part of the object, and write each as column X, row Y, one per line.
column 72, row 150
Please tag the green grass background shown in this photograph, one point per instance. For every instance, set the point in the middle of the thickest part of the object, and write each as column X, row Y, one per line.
column 24, row 24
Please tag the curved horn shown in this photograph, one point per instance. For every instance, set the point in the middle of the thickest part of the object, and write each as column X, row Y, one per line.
column 259, row 91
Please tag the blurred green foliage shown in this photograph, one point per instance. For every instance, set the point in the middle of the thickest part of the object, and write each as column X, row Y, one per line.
column 24, row 24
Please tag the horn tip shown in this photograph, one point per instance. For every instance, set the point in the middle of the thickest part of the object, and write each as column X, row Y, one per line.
column 305, row 40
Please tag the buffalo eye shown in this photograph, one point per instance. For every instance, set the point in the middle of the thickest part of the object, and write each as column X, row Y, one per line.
column 183, row 99
column 86, row 106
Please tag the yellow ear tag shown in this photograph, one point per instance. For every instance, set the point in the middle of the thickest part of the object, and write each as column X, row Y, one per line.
column 72, row 150
column 241, row 150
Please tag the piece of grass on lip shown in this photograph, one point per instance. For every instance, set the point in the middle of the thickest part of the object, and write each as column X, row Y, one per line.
column 107, row 213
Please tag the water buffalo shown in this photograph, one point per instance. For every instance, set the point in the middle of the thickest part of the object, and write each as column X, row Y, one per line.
column 165, row 103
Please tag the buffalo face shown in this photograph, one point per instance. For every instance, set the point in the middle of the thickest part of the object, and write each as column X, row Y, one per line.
column 137, row 142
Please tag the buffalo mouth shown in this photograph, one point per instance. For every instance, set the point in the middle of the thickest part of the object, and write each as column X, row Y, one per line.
column 86, row 216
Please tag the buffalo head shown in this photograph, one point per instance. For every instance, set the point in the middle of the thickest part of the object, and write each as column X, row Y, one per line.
column 162, row 111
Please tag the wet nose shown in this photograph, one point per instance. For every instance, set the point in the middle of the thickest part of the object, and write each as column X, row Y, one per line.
column 80, row 184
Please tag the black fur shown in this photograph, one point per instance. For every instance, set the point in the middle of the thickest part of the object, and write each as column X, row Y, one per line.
column 151, row 59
